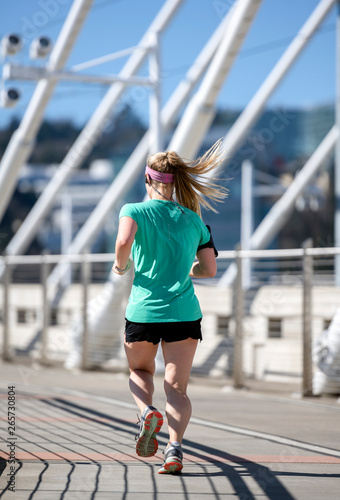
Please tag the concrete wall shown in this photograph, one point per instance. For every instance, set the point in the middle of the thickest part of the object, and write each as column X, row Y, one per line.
column 264, row 357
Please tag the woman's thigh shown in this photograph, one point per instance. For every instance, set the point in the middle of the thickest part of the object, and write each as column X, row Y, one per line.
column 141, row 355
column 178, row 358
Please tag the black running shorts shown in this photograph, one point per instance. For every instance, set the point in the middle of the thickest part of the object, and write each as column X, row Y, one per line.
column 169, row 332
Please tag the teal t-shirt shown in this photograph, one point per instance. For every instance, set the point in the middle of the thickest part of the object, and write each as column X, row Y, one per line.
column 163, row 251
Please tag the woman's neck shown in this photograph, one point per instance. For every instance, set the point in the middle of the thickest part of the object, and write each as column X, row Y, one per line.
column 156, row 194
column 160, row 194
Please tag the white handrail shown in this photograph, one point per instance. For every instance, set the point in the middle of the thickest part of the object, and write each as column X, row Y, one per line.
column 222, row 255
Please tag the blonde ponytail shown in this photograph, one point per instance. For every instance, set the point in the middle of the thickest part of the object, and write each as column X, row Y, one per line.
column 192, row 190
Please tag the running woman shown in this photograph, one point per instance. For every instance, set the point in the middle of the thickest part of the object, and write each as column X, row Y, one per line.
column 165, row 236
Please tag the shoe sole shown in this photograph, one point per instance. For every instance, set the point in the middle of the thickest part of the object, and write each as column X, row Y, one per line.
column 147, row 444
column 171, row 466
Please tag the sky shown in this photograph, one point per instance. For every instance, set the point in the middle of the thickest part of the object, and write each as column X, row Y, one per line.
column 113, row 25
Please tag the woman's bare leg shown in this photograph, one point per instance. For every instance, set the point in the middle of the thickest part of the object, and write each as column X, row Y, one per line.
column 141, row 359
column 178, row 358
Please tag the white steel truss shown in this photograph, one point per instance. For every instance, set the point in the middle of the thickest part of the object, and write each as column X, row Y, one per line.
column 89, row 135
column 22, row 141
column 221, row 49
column 125, row 178
column 281, row 211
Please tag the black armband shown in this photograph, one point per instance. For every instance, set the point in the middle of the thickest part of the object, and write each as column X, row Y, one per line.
column 209, row 244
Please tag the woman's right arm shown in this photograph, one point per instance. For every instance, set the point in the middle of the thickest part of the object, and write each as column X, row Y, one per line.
column 206, row 265
column 126, row 234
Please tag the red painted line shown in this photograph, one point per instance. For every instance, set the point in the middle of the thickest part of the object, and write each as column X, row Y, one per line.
column 85, row 457
column 124, row 457
column 67, row 419
column 39, row 396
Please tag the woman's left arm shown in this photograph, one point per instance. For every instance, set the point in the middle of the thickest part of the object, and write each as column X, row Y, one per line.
column 126, row 234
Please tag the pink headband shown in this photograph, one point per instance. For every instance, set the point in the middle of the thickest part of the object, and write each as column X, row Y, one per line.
column 159, row 176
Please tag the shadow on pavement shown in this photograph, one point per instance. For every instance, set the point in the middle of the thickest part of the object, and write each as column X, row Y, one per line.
column 88, row 435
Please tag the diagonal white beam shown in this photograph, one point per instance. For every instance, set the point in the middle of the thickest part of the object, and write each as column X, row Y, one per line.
column 89, row 135
column 136, row 162
column 255, row 107
column 201, row 109
column 22, row 141
column 281, row 211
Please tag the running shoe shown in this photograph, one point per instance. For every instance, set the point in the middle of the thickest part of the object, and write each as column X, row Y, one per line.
column 150, row 423
column 173, row 457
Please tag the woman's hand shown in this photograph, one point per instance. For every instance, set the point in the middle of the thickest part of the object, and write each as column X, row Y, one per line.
column 116, row 269
column 206, row 265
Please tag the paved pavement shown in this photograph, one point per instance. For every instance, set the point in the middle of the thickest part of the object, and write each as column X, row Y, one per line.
column 74, row 439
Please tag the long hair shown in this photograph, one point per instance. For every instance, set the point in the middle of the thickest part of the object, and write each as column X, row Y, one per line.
column 192, row 190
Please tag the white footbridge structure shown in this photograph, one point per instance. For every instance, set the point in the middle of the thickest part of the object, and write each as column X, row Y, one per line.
column 192, row 105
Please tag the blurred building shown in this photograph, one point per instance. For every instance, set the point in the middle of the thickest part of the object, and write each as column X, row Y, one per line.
column 279, row 145
column 74, row 204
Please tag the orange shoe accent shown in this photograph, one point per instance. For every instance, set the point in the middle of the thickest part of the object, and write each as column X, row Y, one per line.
column 172, row 466
column 147, row 444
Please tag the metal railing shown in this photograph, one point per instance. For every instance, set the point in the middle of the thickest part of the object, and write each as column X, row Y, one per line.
column 46, row 262
column 301, row 272
column 308, row 269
